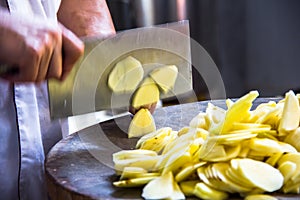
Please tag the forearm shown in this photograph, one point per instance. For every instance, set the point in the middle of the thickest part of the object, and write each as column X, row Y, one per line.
column 86, row 17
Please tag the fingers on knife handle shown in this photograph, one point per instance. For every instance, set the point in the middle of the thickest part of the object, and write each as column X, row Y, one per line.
column 8, row 70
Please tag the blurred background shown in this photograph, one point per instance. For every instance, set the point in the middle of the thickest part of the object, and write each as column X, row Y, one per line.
column 254, row 43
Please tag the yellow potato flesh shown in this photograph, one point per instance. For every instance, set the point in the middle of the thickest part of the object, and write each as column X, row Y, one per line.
column 239, row 111
column 291, row 114
column 260, row 197
column 187, row 187
column 141, row 124
column 126, row 75
column 147, row 93
column 159, row 188
column 132, row 172
column 250, row 158
column 165, row 77
column 134, row 182
column 204, row 191
column 260, row 174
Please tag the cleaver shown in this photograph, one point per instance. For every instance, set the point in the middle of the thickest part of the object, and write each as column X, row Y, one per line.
column 85, row 90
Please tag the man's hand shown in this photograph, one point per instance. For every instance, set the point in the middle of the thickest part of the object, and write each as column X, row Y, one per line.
column 39, row 48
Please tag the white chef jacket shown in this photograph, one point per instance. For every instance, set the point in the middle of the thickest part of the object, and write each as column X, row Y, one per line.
column 26, row 131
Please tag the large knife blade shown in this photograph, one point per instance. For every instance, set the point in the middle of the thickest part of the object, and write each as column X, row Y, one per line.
column 85, row 90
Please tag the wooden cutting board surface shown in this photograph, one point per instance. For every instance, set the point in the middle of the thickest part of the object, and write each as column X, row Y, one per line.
column 80, row 166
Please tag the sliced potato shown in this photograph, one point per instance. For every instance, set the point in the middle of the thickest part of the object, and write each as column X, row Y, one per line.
column 260, row 174
column 159, row 188
column 290, row 115
column 204, row 191
column 126, row 75
column 177, row 193
column 222, row 153
column 260, row 197
column 146, row 94
column 147, row 162
column 200, row 121
column 287, row 169
column 188, row 187
column 187, row 171
column 293, row 138
column 141, row 124
column 238, row 112
column 165, row 77
column 132, row 172
column 134, row 182
column 269, row 147
column 157, row 140
column 135, row 153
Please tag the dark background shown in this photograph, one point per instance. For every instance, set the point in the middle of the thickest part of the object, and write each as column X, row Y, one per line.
column 255, row 43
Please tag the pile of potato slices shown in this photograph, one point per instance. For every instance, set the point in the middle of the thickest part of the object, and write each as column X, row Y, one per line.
column 238, row 150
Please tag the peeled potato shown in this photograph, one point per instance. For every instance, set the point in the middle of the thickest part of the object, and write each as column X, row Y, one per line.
column 159, row 188
column 290, row 115
column 141, row 124
column 222, row 152
column 260, row 174
column 134, row 182
column 132, row 172
column 260, row 197
column 147, row 93
column 126, row 75
column 204, row 191
column 238, row 111
column 165, row 77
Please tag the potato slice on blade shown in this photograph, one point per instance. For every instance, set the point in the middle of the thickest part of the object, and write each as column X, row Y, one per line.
column 126, row 75
column 165, row 77
column 147, row 93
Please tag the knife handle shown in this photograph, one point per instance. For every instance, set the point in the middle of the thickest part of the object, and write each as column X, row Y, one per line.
column 6, row 69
